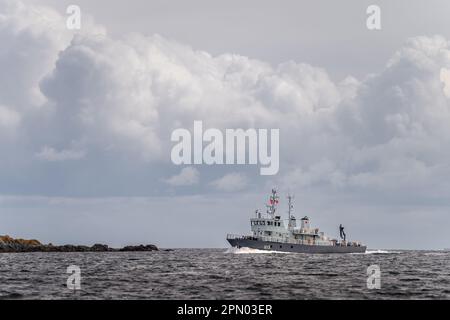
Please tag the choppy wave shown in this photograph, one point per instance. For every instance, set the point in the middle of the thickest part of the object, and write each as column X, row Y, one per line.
column 245, row 250
column 438, row 253
column 378, row 251
column 212, row 274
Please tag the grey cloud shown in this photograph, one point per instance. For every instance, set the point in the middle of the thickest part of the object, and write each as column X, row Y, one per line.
column 188, row 176
column 109, row 104
column 125, row 96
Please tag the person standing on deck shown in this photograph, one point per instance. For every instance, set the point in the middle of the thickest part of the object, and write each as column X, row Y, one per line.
column 341, row 232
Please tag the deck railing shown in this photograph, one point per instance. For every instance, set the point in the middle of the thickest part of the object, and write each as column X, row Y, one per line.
column 239, row 237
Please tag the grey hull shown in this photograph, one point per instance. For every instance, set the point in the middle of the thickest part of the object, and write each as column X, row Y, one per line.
column 288, row 247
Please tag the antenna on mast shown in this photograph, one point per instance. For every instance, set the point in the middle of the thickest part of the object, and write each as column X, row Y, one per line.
column 290, row 207
column 273, row 201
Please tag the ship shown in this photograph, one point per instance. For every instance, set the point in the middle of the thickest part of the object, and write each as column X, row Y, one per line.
column 269, row 232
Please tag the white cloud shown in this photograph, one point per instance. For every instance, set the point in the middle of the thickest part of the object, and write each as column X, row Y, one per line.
column 51, row 154
column 188, row 176
column 389, row 134
column 445, row 78
column 119, row 99
column 384, row 138
column 230, row 182
column 32, row 36
column 9, row 119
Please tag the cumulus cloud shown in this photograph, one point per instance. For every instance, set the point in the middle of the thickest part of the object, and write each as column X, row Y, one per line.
column 230, row 182
column 85, row 113
column 9, row 119
column 32, row 37
column 445, row 78
column 50, row 154
column 387, row 136
column 188, row 176
column 119, row 99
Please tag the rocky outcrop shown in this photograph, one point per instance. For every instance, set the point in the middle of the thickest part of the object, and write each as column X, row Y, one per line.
column 149, row 247
column 8, row 244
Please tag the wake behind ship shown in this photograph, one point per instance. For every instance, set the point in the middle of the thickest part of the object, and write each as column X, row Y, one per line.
column 270, row 233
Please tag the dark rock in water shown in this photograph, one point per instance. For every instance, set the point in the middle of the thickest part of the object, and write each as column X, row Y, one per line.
column 8, row 244
column 99, row 247
column 149, row 247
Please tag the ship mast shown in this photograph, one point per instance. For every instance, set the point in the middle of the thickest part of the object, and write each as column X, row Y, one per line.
column 290, row 207
column 273, row 201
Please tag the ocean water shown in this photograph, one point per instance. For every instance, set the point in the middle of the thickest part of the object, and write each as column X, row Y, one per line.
column 226, row 274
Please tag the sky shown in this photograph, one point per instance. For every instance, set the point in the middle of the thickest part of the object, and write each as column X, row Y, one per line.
column 86, row 118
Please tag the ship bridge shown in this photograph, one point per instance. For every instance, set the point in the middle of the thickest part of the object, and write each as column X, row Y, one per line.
column 273, row 227
column 269, row 227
